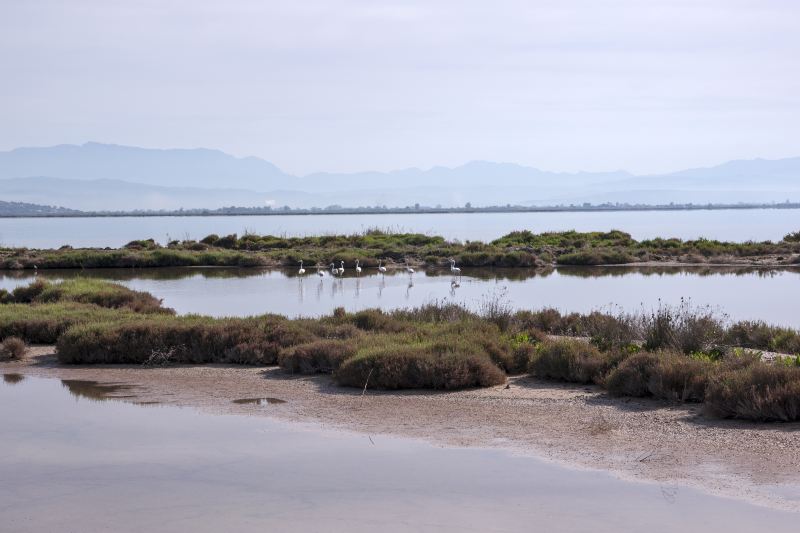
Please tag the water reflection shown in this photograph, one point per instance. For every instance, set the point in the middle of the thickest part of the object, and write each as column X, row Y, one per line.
column 13, row 379
column 259, row 401
column 10, row 278
column 96, row 391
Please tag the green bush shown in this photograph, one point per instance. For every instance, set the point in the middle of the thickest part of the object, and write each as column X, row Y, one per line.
column 317, row 357
column 254, row 341
column 414, row 366
column 569, row 360
column 666, row 376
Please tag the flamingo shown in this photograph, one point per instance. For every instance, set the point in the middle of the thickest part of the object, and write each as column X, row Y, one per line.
column 341, row 268
column 358, row 268
column 334, row 270
column 454, row 269
column 302, row 270
column 409, row 269
column 381, row 269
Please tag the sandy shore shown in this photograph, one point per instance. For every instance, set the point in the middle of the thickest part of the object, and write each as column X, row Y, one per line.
column 575, row 425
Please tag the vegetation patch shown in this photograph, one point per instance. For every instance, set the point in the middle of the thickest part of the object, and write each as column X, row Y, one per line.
column 516, row 249
column 681, row 353
column 12, row 348
column 764, row 393
column 569, row 360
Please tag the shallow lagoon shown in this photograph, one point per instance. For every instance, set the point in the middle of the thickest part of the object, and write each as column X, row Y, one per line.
column 76, row 460
column 765, row 294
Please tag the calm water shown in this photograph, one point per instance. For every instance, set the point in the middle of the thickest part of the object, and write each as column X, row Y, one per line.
column 74, row 462
column 730, row 225
column 770, row 295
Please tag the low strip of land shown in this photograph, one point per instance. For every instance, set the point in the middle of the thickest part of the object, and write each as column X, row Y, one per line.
column 374, row 248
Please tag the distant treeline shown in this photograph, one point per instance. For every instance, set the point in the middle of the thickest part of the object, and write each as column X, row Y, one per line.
column 22, row 209
column 16, row 209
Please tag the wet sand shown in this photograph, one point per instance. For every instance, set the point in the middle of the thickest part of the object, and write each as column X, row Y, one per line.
column 578, row 426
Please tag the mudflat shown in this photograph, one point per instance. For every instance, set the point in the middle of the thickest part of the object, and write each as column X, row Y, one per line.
column 580, row 426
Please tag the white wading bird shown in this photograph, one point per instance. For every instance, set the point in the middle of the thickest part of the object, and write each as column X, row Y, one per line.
column 454, row 269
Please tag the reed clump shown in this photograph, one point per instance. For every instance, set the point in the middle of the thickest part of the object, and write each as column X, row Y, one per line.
column 12, row 348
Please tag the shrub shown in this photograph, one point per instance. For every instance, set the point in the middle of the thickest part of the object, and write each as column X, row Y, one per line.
column 682, row 328
column 414, row 366
column 142, row 244
column 758, row 392
column 228, row 241
column 255, row 341
column 666, row 376
column 317, row 357
column 12, row 348
column 377, row 320
column 569, row 360
column 792, row 237
column 749, row 334
column 26, row 294
column 548, row 320
column 609, row 332
column 596, row 257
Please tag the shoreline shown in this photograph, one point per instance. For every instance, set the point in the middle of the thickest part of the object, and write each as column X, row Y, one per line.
column 762, row 263
column 255, row 211
column 576, row 426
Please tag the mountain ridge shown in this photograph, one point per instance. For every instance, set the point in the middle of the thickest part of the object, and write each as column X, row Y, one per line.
column 203, row 177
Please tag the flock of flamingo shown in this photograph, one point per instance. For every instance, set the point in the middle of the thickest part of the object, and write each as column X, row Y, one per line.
column 339, row 271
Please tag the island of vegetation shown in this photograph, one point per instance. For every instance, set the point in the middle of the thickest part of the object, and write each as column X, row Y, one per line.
column 516, row 249
column 745, row 370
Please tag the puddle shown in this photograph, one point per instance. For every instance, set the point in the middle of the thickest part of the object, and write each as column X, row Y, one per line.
column 96, row 391
column 259, row 401
column 13, row 379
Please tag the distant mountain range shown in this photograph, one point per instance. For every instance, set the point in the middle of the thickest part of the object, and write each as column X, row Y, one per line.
column 96, row 176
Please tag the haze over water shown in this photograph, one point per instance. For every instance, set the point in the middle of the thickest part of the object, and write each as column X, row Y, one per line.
column 726, row 225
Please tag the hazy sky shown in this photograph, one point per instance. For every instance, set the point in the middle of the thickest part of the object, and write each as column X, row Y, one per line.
column 645, row 85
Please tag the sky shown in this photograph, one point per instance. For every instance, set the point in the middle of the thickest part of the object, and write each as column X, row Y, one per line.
column 347, row 85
